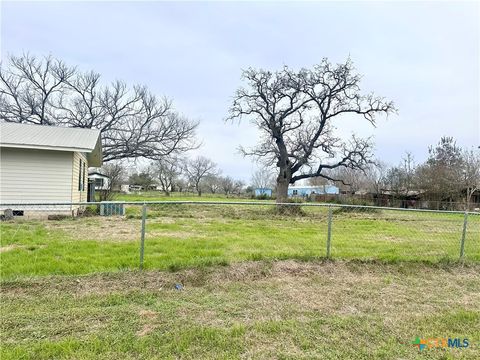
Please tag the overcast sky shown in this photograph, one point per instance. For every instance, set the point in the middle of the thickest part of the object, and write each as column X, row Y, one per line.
column 424, row 56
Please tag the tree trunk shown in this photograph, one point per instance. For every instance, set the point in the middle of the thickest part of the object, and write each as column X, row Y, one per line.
column 282, row 191
column 283, row 180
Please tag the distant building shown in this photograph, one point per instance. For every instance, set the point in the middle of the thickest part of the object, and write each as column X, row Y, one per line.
column 263, row 192
column 101, row 181
column 125, row 188
column 304, row 191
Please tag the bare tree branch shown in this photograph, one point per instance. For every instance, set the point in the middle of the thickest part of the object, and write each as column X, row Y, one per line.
column 133, row 122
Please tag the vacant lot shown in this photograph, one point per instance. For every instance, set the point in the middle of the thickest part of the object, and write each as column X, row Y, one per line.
column 182, row 236
column 283, row 309
column 68, row 289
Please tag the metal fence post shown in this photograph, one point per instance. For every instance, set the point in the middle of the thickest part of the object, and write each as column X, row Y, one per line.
column 329, row 233
column 464, row 233
column 142, row 239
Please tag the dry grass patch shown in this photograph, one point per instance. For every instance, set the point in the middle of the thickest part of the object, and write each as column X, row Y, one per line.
column 8, row 248
column 102, row 228
column 267, row 309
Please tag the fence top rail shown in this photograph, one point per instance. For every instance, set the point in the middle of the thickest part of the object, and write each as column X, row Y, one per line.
column 251, row 203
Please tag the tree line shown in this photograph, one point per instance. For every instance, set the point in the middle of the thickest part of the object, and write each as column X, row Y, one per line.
column 449, row 174
column 199, row 175
column 295, row 110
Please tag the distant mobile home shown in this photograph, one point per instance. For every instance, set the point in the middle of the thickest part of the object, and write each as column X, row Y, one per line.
column 263, row 191
column 46, row 164
column 303, row 191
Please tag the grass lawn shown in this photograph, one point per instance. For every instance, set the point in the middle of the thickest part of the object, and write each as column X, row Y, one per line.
column 256, row 285
column 176, row 196
column 182, row 236
column 282, row 310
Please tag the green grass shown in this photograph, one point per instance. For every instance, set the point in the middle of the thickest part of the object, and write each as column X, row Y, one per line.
column 281, row 310
column 160, row 196
column 256, row 285
column 182, row 236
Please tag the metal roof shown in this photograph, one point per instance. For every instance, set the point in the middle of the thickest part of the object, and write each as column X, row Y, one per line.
column 91, row 173
column 44, row 137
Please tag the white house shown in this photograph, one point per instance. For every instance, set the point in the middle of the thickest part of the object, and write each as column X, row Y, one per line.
column 46, row 164
column 101, row 181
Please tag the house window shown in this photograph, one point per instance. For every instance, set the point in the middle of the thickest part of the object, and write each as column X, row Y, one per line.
column 99, row 182
column 80, row 182
column 295, row 192
column 83, row 176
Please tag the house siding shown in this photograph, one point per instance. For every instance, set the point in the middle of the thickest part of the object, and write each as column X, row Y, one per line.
column 263, row 191
column 42, row 176
column 79, row 195
column 307, row 191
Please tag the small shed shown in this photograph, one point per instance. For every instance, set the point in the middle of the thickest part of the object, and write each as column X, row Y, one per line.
column 100, row 181
column 47, row 165
column 306, row 190
column 263, row 192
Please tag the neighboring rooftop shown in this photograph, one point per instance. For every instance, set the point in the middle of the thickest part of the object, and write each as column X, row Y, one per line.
column 45, row 137
column 98, row 174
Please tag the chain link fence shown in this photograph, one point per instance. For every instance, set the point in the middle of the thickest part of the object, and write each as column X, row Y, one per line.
column 128, row 235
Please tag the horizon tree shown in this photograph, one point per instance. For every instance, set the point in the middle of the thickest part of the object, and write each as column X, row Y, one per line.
column 116, row 173
column 143, row 178
column 400, row 179
column 441, row 175
column 213, row 183
column 471, row 173
column 263, row 178
column 197, row 169
column 166, row 171
column 227, row 184
column 295, row 112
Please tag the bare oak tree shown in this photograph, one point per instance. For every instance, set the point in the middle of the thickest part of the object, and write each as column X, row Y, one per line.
column 133, row 122
column 238, row 186
column 166, row 171
column 471, row 173
column 295, row 112
column 116, row 173
column 441, row 176
column 213, row 183
column 263, row 178
column 375, row 176
column 400, row 180
column 227, row 185
column 197, row 169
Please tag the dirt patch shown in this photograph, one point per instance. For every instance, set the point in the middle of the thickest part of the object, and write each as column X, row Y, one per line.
column 149, row 317
column 145, row 330
column 102, row 228
column 114, row 229
column 147, row 314
column 335, row 274
column 175, row 234
column 8, row 248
